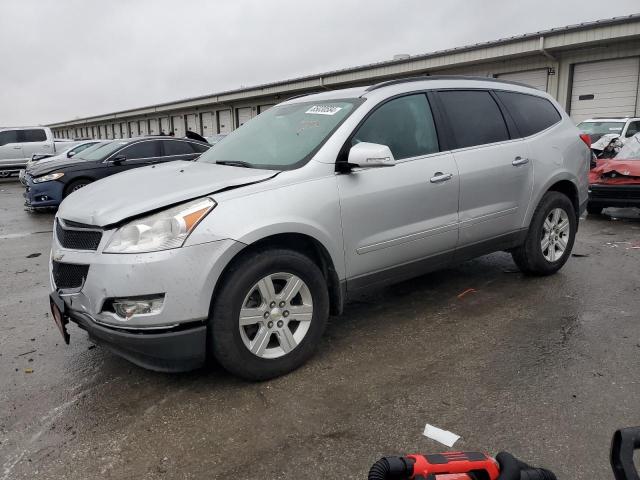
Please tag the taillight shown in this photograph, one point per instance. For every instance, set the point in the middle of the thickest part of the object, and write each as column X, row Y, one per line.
column 586, row 139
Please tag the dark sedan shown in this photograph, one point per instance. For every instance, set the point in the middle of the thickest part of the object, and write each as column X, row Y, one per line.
column 48, row 184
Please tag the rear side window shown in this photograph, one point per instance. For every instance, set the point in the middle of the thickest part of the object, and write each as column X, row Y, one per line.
column 532, row 114
column 33, row 135
column 176, row 147
column 8, row 136
column 147, row 149
column 404, row 124
column 474, row 116
column 199, row 148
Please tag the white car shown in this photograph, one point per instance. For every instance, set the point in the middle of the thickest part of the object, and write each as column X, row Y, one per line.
column 625, row 127
column 18, row 144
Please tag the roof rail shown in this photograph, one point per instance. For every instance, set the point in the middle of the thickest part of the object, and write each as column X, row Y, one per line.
column 442, row 77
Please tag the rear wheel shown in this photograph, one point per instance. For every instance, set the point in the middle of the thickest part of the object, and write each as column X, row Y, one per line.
column 550, row 237
column 594, row 208
column 76, row 185
column 269, row 315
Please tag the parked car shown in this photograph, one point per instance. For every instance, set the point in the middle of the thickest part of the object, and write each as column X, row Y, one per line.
column 65, row 154
column 48, row 183
column 616, row 182
column 19, row 144
column 624, row 127
column 213, row 139
column 244, row 253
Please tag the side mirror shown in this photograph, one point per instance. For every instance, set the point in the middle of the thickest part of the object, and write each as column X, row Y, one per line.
column 370, row 155
column 70, row 154
column 119, row 160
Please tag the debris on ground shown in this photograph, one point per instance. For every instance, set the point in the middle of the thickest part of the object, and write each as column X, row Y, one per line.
column 443, row 436
column 580, row 255
column 26, row 353
column 33, row 255
column 28, row 370
column 468, row 290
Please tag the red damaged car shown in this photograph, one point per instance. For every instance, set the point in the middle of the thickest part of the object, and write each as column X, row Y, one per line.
column 615, row 182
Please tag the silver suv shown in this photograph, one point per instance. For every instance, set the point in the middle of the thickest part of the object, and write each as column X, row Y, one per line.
column 243, row 254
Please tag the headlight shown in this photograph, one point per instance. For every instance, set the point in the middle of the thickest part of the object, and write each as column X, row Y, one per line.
column 49, row 177
column 160, row 231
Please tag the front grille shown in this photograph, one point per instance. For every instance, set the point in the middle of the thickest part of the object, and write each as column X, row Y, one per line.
column 77, row 239
column 622, row 192
column 69, row 275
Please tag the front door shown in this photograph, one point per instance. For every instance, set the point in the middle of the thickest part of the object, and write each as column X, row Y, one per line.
column 401, row 220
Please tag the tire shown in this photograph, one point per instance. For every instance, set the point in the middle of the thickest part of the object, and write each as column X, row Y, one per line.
column 76, row 185
column 230, row 343
column 530, row 257
column 594, row 208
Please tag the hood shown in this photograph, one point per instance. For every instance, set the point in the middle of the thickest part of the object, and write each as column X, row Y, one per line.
column 142, row 190
column 53, row 164
column 616, row 172
column 603, row 141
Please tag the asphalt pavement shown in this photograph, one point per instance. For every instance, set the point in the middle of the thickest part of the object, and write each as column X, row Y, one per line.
column 546, row 368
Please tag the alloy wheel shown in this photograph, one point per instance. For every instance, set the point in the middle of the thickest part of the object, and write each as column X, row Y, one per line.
column 555, row 234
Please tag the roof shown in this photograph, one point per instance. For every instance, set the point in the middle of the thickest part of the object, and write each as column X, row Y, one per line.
column 386, row 63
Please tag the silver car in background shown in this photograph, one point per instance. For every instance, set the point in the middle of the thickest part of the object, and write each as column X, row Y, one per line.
column 243, row 254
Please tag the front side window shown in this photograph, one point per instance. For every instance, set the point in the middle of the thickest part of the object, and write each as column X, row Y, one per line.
column 532, row 114
column 34, row 135
column 101, row 152
column 148, row 149
column 474, row 116
column 284, row 137
column 176, row 147
column 403, row 124
column 8, row 136
column 632, row 129
column 80, row 148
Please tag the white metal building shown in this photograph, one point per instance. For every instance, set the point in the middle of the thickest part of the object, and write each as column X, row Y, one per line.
column 592, row 69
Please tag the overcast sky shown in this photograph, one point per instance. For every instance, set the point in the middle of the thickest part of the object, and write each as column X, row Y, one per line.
column 63, row 59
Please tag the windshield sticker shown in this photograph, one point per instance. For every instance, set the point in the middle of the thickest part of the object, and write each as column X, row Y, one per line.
column 324, row 110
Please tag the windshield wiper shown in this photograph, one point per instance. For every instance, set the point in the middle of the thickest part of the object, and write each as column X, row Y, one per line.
column 234, row 163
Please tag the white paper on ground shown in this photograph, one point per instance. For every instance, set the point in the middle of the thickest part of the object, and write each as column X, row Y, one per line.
column 443, row 436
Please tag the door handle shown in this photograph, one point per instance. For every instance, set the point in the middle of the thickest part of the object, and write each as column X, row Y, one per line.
column 519, row 161
column 439, row 177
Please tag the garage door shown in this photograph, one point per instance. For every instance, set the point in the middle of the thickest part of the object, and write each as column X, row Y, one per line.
column 263, row 108
column 153, row 126
column 102, row 132
column 144, row 127
column 164, row 125
column 110, row 128
column 192, row 123
column 535, row 78
column 243, row 115
column 178, row 125
column 605, row 89
column 133, row 129
column 207, row 123
column 224, row 121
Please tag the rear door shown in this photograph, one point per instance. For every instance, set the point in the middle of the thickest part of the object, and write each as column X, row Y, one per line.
column 177, row 150
column 10, row 149
column 496, row 176
column 403, row 219
column 34, row 140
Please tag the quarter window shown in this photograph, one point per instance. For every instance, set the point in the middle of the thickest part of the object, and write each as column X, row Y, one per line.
column 474, row 116
column 404, row 124
column 632, row 129
column 147, row 149
column 33, row 135
column 532, row 114
column 8, row 136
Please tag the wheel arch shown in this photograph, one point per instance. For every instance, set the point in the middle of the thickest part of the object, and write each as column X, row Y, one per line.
column 302, row 243
column 66, row 192
column 564, row 183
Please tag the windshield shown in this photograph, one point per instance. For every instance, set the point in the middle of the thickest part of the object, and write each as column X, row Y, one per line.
column 282, row 138
column 101, row 151
column 630, row 150
column 601, row 128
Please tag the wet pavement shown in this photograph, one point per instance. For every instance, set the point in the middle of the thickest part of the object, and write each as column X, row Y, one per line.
column 546, row 368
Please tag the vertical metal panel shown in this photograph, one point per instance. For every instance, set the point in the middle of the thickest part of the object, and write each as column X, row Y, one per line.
column 133, row 129
column 224, row 121
column 243, row 115
column 264, row 108
column 192, row 122
column 144, row 127
column 605, row 89
column 124, row 130
column 206, row 121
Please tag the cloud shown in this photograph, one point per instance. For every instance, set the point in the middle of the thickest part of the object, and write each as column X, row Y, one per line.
column 73, row 58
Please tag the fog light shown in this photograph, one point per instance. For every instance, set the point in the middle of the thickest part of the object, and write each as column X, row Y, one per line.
column 128, row 307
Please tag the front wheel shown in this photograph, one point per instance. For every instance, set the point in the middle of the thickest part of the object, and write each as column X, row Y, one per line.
column 550, row 238
column 75, row 185
column 269, row 314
